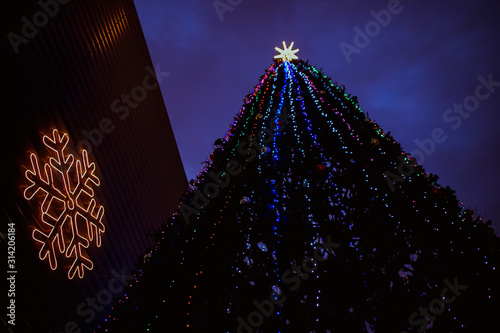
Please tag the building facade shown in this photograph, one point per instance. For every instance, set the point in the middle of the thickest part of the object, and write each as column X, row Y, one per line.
column 80, row 216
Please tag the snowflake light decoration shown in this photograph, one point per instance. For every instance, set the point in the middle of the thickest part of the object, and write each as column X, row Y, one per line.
column 62, row 188
column 287, row 53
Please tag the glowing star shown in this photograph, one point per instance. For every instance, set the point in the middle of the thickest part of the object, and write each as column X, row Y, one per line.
column 287, row 53
column 70, row 216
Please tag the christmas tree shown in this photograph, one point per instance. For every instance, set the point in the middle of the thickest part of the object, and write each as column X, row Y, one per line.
column 307, row 217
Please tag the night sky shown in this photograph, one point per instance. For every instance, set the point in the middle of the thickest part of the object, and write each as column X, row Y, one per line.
column 420, row 60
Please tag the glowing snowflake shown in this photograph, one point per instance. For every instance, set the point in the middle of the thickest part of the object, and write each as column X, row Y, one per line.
column 287, row 53
column 69, row 213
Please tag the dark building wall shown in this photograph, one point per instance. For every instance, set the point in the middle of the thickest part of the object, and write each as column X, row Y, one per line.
column 75, row 74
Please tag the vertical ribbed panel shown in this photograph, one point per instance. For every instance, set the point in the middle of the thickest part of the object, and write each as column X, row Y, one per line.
column 66, row 77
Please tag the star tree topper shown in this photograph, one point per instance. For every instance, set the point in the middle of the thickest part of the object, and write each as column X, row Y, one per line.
column 287, row 53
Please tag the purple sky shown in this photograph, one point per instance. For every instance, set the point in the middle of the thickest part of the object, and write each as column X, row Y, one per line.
column 426, row 58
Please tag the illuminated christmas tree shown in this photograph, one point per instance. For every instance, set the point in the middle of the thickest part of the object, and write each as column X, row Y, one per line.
column 309, row 218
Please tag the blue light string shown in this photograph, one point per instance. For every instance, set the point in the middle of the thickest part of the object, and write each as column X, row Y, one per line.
column 272, row 115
